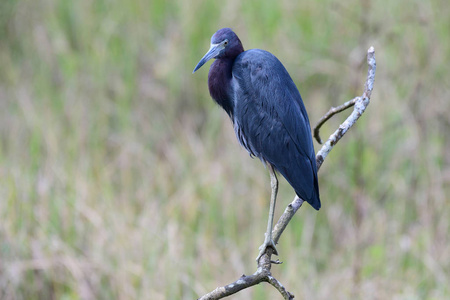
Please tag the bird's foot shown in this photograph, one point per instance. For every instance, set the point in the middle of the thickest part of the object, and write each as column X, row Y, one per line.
column 268, row 242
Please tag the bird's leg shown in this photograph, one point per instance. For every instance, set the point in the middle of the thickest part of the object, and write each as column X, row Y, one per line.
column 268, row 242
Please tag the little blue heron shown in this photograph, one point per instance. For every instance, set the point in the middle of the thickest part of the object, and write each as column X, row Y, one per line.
column 268, row 114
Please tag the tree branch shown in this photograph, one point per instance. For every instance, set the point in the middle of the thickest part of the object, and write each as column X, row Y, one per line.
column 328, row 115
column 361, row 104
column 264, row 264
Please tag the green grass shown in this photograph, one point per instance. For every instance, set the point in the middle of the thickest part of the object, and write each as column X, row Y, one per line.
column 121, row 179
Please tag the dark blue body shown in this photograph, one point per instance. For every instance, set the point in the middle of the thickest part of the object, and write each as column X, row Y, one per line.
column 271, row 122
column 267, row 111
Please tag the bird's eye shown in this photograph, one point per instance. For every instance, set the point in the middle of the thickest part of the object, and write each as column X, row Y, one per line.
column 225, row 43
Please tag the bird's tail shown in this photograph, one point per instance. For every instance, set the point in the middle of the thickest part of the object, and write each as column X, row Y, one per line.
column 314, row 201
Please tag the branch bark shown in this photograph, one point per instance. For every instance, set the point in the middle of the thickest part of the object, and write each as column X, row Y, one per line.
column 329, row 114
column 263, row 273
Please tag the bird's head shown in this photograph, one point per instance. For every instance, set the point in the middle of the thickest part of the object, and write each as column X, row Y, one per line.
column 224, row 44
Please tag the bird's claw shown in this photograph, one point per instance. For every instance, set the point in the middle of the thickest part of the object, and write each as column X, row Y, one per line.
column 262, row 249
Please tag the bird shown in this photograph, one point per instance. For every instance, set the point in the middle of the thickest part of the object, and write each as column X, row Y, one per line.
column 268, row 116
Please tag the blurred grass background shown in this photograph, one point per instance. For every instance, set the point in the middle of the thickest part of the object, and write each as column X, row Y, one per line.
column 121, row 179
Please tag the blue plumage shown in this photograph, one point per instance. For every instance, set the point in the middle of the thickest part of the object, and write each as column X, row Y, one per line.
column 267, row 111
column 271, row 122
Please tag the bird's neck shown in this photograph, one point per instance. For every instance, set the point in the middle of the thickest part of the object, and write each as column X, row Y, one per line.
column 219, row 83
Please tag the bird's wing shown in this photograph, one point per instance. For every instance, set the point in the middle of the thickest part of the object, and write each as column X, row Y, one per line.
column 271, row 121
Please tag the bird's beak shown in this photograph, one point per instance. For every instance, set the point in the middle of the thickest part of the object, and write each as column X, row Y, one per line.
column 212, row 52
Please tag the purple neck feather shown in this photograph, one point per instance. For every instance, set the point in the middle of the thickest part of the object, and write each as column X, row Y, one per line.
column 219, row 77
column 219, row 83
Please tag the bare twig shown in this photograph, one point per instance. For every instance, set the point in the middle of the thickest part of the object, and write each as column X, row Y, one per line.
column 264, row 264
column 242, row 283
column 289, row 212
column 367, row 92
column 286, row 295
column 328, row 115
column 361, row 104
